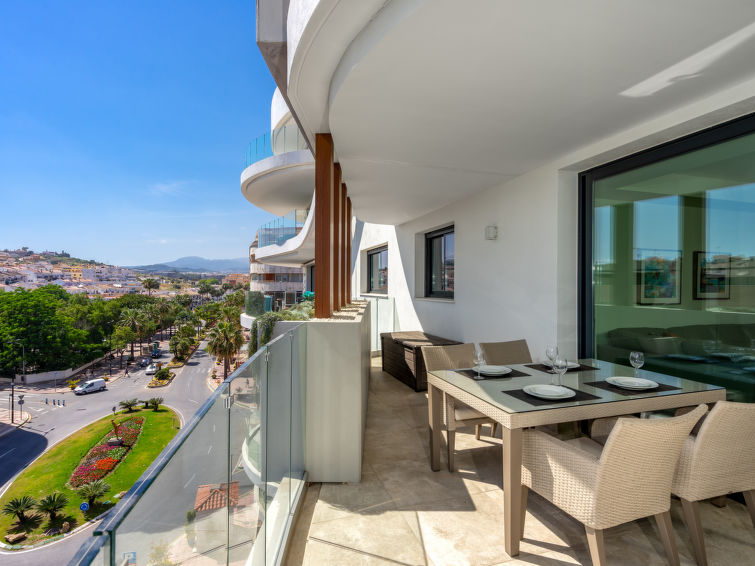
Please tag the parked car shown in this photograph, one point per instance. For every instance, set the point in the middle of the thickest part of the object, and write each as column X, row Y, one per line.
column 152, row 369
column 144, row 362
column 90, row 386
column 156, row 353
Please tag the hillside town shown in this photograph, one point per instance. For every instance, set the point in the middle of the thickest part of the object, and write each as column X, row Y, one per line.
column 26, row 269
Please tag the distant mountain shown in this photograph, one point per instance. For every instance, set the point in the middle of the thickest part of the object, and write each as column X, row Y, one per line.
column 194, row 264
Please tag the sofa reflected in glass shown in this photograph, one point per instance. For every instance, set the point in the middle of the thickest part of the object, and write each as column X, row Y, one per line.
column 719, row 354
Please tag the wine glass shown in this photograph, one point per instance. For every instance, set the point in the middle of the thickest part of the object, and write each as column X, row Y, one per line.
column 479, row 359
column 551, row 352
column 637, row 359
column 560, row 364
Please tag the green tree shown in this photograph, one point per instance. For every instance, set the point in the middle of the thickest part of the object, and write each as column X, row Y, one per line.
column 18, row 506
column 183, row 300
column 255, row 303
column 204, row 287
column 224, row 340
column 150, row 285
column 128, row 404
column 122, row 336
column 52, row 504
column 155, row 402
column 130, row 318
column 91, row 491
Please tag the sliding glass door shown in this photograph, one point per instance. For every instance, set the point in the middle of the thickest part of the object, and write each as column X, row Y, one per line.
column 669, row 255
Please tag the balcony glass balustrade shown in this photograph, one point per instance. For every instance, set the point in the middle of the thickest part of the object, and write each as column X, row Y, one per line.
column 281, row 140
column 282, row 228
column 225, row 490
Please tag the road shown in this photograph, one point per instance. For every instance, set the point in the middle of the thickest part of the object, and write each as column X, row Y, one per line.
column 50, row 423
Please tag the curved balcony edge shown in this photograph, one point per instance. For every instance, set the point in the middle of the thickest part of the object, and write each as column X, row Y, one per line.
column 280, row 183
column 295, row 251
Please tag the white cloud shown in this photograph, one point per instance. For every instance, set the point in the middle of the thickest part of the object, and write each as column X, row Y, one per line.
column 167, row 187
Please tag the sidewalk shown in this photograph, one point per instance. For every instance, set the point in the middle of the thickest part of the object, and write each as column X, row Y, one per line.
column 6, row 426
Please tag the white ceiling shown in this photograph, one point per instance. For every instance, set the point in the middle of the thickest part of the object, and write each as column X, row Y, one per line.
column 435, row 103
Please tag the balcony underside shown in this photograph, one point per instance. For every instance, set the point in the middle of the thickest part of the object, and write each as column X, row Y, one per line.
column 428, row 103
column 280, row 183
column 403, row 513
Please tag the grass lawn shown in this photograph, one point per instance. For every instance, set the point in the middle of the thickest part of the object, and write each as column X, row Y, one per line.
column 54, row 468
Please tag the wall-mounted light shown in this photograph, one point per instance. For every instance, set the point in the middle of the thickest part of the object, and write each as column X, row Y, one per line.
column 491, row 232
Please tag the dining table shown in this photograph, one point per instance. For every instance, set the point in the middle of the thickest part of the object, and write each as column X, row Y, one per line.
column 503, row 400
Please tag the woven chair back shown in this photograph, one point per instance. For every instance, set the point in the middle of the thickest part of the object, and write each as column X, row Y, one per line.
column 502, row 353
column 457, row 356
column 637, row 467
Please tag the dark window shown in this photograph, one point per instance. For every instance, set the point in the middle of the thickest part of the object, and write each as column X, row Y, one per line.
column 311, row 278
column 377, row 270
column 439, row 267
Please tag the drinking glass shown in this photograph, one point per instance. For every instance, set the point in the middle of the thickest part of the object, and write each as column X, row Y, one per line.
column 479, row 359
column 637, row 359
column 560, row 364
column 551, row 352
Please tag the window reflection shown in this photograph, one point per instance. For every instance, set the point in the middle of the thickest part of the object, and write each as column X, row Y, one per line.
column 673, row 259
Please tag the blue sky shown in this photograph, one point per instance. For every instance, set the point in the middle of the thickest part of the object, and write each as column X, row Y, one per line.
column 123, row 127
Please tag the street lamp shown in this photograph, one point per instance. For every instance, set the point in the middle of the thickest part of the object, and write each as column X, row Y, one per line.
column 13, row 379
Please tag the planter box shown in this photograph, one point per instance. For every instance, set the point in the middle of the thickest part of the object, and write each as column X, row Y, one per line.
column 402, row 356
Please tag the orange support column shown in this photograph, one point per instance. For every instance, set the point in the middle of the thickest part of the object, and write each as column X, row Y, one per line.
column 337, row 237
column 348, row 248
column 345, row 271
column 323, row 225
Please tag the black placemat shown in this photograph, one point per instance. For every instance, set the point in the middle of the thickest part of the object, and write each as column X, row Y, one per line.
column 473, row 374
column 628, row 392
column 537, row 401
column 546, row 369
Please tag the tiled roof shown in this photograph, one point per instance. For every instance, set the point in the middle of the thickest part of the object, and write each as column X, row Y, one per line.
column 215, row 496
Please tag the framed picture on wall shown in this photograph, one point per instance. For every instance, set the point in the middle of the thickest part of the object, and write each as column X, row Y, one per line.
column 659, row 275
column 712, row 276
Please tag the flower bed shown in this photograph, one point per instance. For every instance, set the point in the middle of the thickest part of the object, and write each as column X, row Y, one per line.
column 102, row 459
column 161, row 382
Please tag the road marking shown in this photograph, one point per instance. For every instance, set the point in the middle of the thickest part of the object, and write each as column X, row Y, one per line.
column 11, row 450
column 193, row 401
column 190, row 480
column 208, row 450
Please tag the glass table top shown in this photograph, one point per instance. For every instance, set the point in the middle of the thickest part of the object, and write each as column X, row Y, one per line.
column 492, row 390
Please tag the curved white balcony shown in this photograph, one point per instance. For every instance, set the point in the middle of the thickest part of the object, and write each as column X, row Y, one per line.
column 295, row 250
column 279, row 171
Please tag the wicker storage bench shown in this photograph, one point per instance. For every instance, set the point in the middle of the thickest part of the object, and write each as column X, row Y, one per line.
column 402, row 356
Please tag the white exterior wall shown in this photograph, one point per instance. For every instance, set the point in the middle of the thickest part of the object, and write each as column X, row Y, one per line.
column 524, row 284
column 505, row 289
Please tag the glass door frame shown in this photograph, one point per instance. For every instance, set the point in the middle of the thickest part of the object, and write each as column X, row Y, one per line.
column 585, row 294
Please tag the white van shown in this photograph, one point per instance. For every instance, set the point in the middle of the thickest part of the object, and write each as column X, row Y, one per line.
column 90, row 386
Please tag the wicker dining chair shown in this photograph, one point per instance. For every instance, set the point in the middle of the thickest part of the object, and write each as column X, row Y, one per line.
column 719, row 460
column 457, row 414
column 502, row 353
column 604, row 486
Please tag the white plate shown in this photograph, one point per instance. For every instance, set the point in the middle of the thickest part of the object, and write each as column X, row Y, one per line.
column 569, row 365
column 549, row 391
column 492, row 370
column 637, row 383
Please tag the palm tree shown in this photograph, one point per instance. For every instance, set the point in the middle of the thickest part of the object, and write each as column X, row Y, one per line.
column 130, row 318
column 223, row 341
column 150, row 284
column 51, row 504
column 93, row 490
column 155, row 402
column 18, row 506
column 230, row 314
column 129, row 404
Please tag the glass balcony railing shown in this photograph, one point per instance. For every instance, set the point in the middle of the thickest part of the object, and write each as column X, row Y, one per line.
column 282, row 228
column 280, row 140
column 224, row 491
